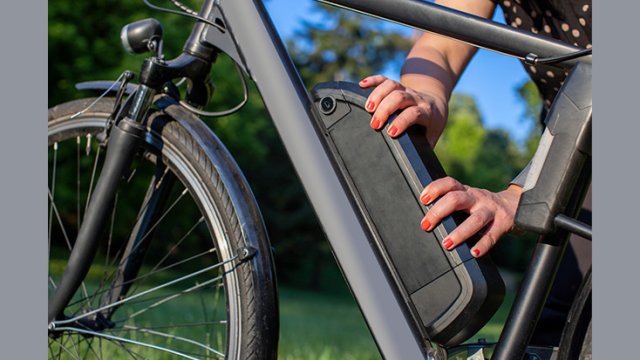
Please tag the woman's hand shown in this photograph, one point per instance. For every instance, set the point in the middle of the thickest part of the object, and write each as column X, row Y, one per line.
column 489, row 212
column 418, row 107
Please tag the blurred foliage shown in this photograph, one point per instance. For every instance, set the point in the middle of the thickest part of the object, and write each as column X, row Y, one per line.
column 84, row 45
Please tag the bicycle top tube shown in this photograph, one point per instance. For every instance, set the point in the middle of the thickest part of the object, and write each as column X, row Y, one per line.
column 464, row 27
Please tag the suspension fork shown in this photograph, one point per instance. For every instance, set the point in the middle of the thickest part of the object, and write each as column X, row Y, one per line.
column 124, row 141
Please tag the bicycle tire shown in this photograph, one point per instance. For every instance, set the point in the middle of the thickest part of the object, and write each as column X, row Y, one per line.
column 575, row 342
column 179, row 326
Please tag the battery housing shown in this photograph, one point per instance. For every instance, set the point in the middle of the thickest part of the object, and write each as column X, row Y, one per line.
column 449, row 294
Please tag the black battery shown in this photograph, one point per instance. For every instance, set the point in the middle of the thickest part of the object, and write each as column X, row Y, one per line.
column 450, row 294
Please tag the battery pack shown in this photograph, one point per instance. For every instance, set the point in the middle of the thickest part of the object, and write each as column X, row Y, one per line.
column 449, row 294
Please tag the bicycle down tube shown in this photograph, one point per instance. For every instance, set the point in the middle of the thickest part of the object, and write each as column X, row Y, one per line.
column 290, row 107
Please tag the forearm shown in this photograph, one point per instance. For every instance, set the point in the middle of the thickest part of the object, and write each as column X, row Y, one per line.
column 428, row 70
column 435, row 63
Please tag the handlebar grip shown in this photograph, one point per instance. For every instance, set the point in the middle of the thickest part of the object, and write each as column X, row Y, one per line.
column 562, row 157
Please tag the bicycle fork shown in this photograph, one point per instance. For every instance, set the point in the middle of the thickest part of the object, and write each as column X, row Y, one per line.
column 124, row 140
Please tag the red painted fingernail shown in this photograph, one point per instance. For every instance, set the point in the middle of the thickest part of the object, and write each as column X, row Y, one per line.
column 393, row 130
column 364, row 81
column 426, row 198
column 425, row 224
column 370, row 106
column 475, row 252
column 375, row 123
column 448, row 244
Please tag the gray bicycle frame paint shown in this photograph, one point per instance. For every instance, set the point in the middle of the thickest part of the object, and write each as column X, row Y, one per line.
column 289, row 105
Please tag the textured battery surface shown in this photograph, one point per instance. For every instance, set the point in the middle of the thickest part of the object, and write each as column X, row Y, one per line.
column 435, row 298
column 389, row 200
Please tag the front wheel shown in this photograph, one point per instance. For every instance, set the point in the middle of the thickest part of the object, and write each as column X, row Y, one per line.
column 171, row 278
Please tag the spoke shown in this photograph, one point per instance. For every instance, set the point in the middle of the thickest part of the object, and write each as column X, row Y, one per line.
column 78, row 182
column 93, row 172
column 74, row 342
column 55, row 211
column 66, row 237
column 171, row 297
column 53, row 188
column 64, row 348
column 90, row 348
column 175, row 337
column 164, row 296
column 179, row 243
column 133, row 354
column 102, row 291
column 76, row 318
column 122, row 261
column 166, row 212
column 173, row 326
column 121, row 339
column 158, row 182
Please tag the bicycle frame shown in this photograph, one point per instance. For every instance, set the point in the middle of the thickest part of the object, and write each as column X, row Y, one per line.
column 252, row 41
column 290, row 107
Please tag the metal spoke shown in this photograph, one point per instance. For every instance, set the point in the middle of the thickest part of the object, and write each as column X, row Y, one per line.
column 171, row 297
column 90, row 348
column 121, row 339
column 55, row 211
column 66, row 237
column 93, row 172
column 175, row 337
column 166, row 212
column 179, row 243
column 62, row 347
column 53, row 188
column 76, row 318
column 173, row 326
column 78, row 214
column 163, row 296
column 102, row 291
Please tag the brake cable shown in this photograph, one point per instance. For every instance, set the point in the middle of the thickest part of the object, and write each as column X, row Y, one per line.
column 533, row 59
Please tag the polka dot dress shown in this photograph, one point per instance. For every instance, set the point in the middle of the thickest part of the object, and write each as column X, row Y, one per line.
column 565, row 20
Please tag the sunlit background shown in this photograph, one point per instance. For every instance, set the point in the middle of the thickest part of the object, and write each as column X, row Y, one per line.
column 491, row 135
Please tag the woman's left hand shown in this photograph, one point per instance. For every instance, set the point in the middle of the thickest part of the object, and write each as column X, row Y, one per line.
column 493, row 212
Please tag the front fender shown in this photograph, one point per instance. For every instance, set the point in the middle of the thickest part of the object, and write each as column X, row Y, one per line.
column 242, row 199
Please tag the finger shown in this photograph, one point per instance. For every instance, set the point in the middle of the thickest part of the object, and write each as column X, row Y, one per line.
column 373, row 80
column 472, row 225
column 409, row 116
column 440, row 187
column 487, row 241
column 450, row 202
column 397, row 99
column 380, row 92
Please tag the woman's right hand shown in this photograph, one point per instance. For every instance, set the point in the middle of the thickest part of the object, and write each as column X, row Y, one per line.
column 417, row 107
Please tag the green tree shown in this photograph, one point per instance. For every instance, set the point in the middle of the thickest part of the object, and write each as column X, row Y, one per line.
column 345, row 45
column 530, row 96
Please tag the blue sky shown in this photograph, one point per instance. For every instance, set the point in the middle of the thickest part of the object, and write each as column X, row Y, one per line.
column 491, row 78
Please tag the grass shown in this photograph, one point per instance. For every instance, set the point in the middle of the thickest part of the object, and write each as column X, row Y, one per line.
column 315, row 326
